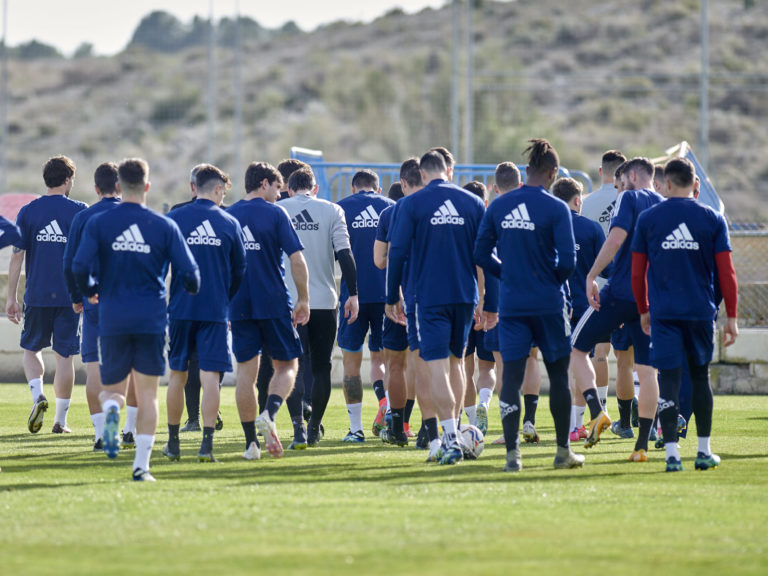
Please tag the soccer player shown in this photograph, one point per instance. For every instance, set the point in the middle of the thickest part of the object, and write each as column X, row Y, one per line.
column 127, row 250
column 678, row 245
column 105, row 183
column 660, row 180
column 598, row 206
column 322, row 230
column 44, row 225
column 362, row 211
column 9, row 233
column 198, row 324
column 435, row 229
column 615, row 305
column 262, row 312
column 533, row 234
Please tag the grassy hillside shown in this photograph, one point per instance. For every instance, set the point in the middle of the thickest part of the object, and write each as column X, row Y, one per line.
column 588, row 74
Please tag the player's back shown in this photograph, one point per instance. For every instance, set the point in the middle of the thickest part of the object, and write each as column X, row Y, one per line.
column 598, row 206
column 589, row 238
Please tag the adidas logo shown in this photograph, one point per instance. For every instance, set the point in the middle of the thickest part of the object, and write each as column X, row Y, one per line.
column 203, row 235
column 131, row 240
column 577, row 247
column 518, row 218
column 250, row 242
column 447, row 214
column 607, row 213
column 680, row 239
column 366, row 219
column 665, row 404
column 303, row 221
column 507, row 409
column 51, row 233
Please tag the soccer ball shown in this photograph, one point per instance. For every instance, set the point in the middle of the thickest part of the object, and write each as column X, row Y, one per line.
column 472, row 441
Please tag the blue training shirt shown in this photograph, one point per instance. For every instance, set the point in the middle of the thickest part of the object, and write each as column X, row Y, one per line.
column 362, row 212
column 128, row 250
column 629, row 205
column 533, row 234
column 589, row 237
column 44, row 224
column 75, row 236
column 9, row 233
column 215, row 240
column 681, row 237
column 435, row 229
column 267, row 233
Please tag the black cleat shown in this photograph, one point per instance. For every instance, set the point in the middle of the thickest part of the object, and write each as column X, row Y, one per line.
column 219, row 422
column 388, row 436
column 170, row 453
column 191, row 426
column 128, row 440
column 422, row 439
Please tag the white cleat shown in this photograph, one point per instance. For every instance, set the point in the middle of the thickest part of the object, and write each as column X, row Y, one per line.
column 253, row 452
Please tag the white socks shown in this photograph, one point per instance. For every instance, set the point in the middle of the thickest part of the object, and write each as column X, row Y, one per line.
column 577, row 416
column 36, row 388
column 144, row 443
column 704, row 445
column 471, row 412
column 449, row 426
column 105, row 407
column 672, row 450
column 130, row 419
column 355, row 412
column 485, row 395
column 98, row 424
column 602, row 395
column 62, row 407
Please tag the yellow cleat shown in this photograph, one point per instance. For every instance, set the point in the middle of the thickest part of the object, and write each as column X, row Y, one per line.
column 638, row 456
column 596, row 427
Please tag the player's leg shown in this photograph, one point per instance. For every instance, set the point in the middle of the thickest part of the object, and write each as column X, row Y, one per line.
column 214, row 360
column 146, row 423
column 116, row 354
column 352, row 361
column 322, row 332
column 649, row 384
column 469, row 400
column 600, row 364
column 66, row 343
column 530, row 390
column 131, row 410
column 398, row 397
column 34, row 370
column 89, row 354
column 174, row 409
column 246, row 346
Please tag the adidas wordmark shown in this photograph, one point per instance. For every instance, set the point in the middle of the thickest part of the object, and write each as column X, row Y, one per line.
column 680, row 239
column 447, row 214
column 368, row 218
column 203, row 235
column 51, row 233
column 131, row 240
column 250, row 242
column 518, row 218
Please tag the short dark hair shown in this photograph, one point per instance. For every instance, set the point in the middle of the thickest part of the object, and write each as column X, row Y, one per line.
column 395, row 191
column 105, row 177
column 257, row 172
column 133, row 174
column 639, row 164
column 365, row 180
column 566, row 189
column 477, row 188
column 56, row 171
column 302, row 179
column 207, row 174
column 193, row 173
column 446, row 154
column 680, row 172
column 620, row 169
column 611, row 160
column 409, row 172
column 433, row 162
column 507, row 176
column 542, row 156
column 659, row 172
column 289, row 166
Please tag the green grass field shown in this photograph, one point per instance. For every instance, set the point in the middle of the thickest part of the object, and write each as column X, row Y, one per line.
column 374, row 509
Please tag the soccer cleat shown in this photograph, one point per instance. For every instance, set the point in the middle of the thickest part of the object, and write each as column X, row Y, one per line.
column 35, row 420
column 596, row 427
column 170, row 453
column 481, row 417
column 379, row 422
column 388, row 436
column 306, row 410
column 500, row 440
column 267, row 427
column 674, row 465
column 452, row 455
column 111, row 426
column 97, row 446
column 435, row 453
column 706, row 461
column 354, row 437
column 408, row 432
column 622, row 432
column 140, row 475
column 205, row 457
column 191, row 426
column 565, row 459
column 529, row 433
column 422, row 439
column 578, row 434
column 656, row 435
column 128, row 440
column 638, row 456
column 682, row 425
column 219, row 422
column 60, row 429
column 514, row 461
column 253, row 452
column 314, row 435
column 635, row 414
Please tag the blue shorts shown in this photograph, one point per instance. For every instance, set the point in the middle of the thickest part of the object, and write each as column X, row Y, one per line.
column 491, row 339
column 412, row 329
column 596, row 326
column 395, row 336
column 206, row 339
column 551, row 333
column 89, row 343
column 673, row 342
column 370, row 319
column 443, row 330
column 275, row 336
column 621, row 339
column 42, row 322
column 476, row 343
column 121, row 353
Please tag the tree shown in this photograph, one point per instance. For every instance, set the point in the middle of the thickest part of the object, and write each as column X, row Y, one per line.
column 160, row 31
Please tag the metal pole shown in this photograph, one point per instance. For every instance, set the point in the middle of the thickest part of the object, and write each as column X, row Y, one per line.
column 469, row 100
column 703, row 151
column 456, row 16
column 4, row 105
column 211, row 112
column 238, row 168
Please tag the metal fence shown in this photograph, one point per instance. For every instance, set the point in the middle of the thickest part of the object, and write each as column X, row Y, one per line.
column 750, row 258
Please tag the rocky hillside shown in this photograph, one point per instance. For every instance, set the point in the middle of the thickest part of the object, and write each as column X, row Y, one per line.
column 587, row 74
